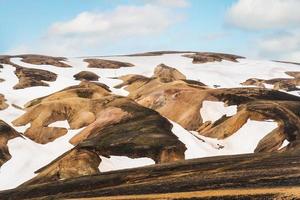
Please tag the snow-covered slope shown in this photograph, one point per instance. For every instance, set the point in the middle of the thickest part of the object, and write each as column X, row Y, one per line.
column 28, row 156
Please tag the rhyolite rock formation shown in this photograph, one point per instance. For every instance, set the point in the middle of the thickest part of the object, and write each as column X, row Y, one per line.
column 114, row 125
column 180, row 100
column 287, row 84
column 3, row 104
column 44, row 60
column 204, row 57
column 106, row 64
column 30, row 77
column 248, row 176
column 86, row 75
column 35, row 60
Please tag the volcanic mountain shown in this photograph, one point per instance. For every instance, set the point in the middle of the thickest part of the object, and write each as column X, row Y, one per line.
column 154, row 125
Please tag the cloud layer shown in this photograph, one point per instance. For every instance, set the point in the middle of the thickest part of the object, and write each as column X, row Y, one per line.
column 265, row 14
column 276, row 23
column 91, row 31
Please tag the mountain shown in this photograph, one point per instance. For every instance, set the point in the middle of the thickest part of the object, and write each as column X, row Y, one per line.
column 154, row 125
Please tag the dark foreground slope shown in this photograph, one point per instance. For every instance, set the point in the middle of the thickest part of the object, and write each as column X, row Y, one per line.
column 249, row 176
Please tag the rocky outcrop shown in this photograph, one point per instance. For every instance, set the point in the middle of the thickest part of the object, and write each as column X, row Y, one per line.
column 294, row 74
column 114, row 125
column 287, row 84
column 43, row 60
column 3, row 105
column 247, row 176
column 106, row 64
column 167, row 74
column 204, row 57
column 74, row 163
column 35, row 60
column 86, row 76
column 6, row 133
column 279, row 111
column 169, row 93
column 160, row 53
column 72, row 104
column 181, row 100
column 1, row 79
column 30, row 77
column 287, row 62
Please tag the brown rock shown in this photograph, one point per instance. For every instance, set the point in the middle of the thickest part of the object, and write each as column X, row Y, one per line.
column 203, row 57
column 29, row 77
column 287, row 84
column 121, row 128
column 86, row 75
column 167, row 74
column 106, row 64
column 43, row 60
column 74, row 163
column 3, row 105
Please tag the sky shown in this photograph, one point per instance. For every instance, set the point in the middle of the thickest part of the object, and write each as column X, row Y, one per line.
column 267, row 29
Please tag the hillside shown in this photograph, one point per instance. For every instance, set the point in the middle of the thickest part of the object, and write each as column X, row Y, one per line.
column 185, row 122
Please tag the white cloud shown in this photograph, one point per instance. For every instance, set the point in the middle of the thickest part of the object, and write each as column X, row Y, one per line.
column 278, row 23
column 284, row 46
column 123, row 21
column 264, row 14
column 91, row 32
column 278, row 43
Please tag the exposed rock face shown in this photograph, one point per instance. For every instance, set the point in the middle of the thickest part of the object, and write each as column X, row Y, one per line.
column 86, row 75
column 3, row 105
column 287, row 62
column 115, row 125
column 159, row 53
column 280, row 111
column 75, row 163
column 287, row 84
column 167, row 74
column 181, row 100
column 35, row 60
column 43, row 60
column 29, row 77
column 1, row 79
column 203, row 57
column 204, row 178
column 72, row 104
column 106, row 64
column 6, row 133
column 168, row 93
column 293, row 74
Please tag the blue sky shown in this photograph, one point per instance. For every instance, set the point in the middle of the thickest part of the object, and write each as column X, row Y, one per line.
column 251, row 28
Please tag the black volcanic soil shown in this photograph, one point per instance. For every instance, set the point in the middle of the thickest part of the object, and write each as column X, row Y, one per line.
column 263, row 176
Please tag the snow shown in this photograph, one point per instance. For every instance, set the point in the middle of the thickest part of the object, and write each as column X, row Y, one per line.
column 224, row 73
column 122, row 162
column 28, row 156
column 244, row 140
column 212, row 111
column 284, row 144
column 196, row 148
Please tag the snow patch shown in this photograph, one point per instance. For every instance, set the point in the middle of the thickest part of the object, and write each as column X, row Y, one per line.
column 284, row 144
column 122, row 162
column 212, row 110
